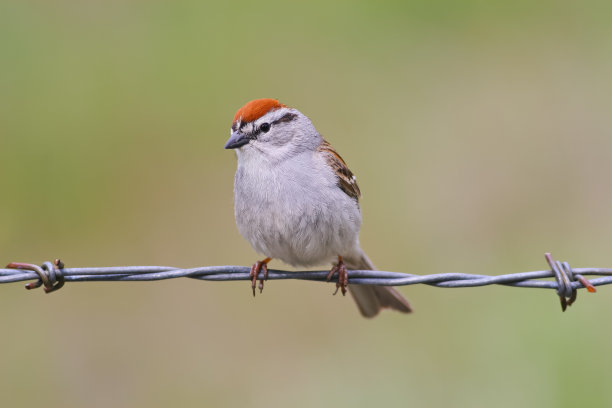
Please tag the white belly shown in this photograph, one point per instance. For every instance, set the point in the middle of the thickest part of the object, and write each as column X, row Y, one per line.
column 301, row 218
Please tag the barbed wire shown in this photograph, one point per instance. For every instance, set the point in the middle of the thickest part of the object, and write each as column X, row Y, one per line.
column 567, row 281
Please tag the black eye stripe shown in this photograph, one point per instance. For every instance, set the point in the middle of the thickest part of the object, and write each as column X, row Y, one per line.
column 287, row 117
column 265, row 127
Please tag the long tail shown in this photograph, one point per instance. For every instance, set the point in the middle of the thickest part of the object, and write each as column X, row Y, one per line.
column 371, row 299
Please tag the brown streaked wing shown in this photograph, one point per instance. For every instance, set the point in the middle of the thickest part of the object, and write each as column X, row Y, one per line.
column 346, row 179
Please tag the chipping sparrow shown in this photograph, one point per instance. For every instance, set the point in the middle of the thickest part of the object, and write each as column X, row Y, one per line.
column 296, row 200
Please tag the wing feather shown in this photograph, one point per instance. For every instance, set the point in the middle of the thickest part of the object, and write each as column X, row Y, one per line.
column 346, row 180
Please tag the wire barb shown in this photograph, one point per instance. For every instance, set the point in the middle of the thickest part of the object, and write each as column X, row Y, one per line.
column 49, row 274
column 566, row 281
column 564, row 277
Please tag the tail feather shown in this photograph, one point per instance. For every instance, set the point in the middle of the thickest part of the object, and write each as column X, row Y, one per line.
column 371, row 299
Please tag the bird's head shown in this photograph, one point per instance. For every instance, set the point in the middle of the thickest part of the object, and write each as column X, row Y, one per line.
column 269, row 128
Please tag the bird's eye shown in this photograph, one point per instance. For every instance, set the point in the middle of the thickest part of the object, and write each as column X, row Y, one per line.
column 265, row 127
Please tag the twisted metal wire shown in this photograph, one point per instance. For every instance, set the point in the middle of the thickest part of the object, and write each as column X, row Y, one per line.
column 567, row 280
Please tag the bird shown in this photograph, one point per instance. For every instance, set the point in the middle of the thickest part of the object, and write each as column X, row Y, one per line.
column 296, row 200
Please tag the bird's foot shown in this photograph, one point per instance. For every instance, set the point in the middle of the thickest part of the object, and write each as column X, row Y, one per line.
column 342, row 282
column 259, row 266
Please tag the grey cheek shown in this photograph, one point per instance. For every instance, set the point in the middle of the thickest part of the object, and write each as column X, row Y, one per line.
column 277, row 137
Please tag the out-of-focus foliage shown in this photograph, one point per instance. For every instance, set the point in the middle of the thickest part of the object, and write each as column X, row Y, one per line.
column 481, row 136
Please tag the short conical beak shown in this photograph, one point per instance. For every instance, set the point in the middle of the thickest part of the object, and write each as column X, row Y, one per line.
column 236, row 140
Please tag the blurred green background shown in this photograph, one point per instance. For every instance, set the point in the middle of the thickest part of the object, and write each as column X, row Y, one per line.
column 481, row 135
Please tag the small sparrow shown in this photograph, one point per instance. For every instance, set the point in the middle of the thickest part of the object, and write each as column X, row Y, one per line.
column 296, row 200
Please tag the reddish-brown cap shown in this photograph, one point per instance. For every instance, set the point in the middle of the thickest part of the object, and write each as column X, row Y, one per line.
column 256, row 109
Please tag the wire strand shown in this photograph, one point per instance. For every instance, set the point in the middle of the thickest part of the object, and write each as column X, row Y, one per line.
column 566, row 280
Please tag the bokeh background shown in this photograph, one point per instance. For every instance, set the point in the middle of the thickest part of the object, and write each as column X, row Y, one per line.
column 481, row 135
